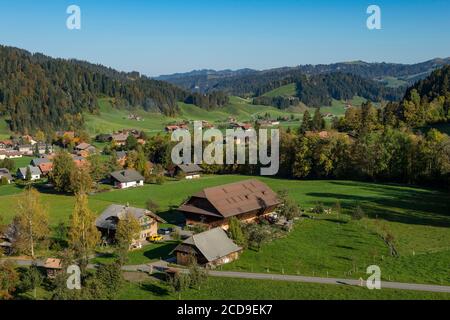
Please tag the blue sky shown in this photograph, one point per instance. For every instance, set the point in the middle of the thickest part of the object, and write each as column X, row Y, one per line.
column 166, row 36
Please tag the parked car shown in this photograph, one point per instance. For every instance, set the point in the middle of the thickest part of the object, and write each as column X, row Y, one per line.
column 165, row 231
column 155, row 238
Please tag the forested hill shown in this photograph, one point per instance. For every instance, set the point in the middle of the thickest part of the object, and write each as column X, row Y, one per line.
column 319, row 90
column 232, row 81
column 39, row 92
column 427, row 101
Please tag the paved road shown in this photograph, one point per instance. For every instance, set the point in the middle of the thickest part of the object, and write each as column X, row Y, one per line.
column 336, row 281
column 161, row 265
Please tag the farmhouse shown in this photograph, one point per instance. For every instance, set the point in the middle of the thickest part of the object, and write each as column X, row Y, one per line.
column 245, row 200
column 85, row 149
column 210, row 248
column 108, row 220
column 5, row 174
column 127, row 178
column 52, row 266
column 119, row 139
column 34, row 171
column 191, row 171
column 46, row 168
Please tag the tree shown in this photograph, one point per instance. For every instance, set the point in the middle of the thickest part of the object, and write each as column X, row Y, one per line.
column 318, row 122
column 40, row 136
column 110, row 275
column 8, row 164
column 31, row 221
column 97, row 167
column 197, row 275
column 131, row 142
column 28, row 176
column 236, row 233
column 179, row 282
column 31, row 279
column 80, row 180
column 288, row 208
column 306, row 122
column 63, row 166
column 83, row 234
column 127, row 231
column 9, row 279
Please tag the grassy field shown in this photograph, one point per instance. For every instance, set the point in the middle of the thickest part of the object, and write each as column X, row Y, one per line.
column 288, row 90
column 244, row 289
column 238, row 289
column 4, row 129
column 418, row 218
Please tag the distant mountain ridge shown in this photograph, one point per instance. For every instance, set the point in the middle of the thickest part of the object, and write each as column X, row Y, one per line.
column 209, row 80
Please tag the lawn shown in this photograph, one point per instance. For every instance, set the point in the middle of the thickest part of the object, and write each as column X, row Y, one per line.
column 417, row 217
column 238, row 289
column 149, row 253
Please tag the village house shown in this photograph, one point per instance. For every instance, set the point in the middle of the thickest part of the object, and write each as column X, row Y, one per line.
column 107, row 222
column 214, row 207
column 211, row 248
column 85, row 149
column 5, row 174
column 25, row 149
column 53, row 267
column 11, row 154
column 45, row 168
column 79, row 161
column 128, row 178
column 190, row 171
column 34, row 171
column 119, row 139
column 37, row 161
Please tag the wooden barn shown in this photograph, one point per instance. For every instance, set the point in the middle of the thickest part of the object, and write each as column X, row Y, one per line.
column 210, row 249
column 245, row 200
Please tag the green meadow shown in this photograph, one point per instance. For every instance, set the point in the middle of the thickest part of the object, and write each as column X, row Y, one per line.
column 328, row 245
column 238, row 289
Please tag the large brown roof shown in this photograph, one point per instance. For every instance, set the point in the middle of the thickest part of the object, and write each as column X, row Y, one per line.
column 236, row 198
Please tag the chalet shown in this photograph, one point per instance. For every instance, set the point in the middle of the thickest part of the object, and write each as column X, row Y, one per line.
column 245, row 200
column 127, row 179
column 53, row 267
column 13, row 154
column 35, row 173
column 211, row 248
column 85, row 149
column 5, row 144
column 37, row 161
column 79, row 161
column 119, row 139
column 46, row 168
column 190, row 171
column 5, row 174
column 25, row 149
column 42, row 148
column 107, row 222
column 180, row 126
